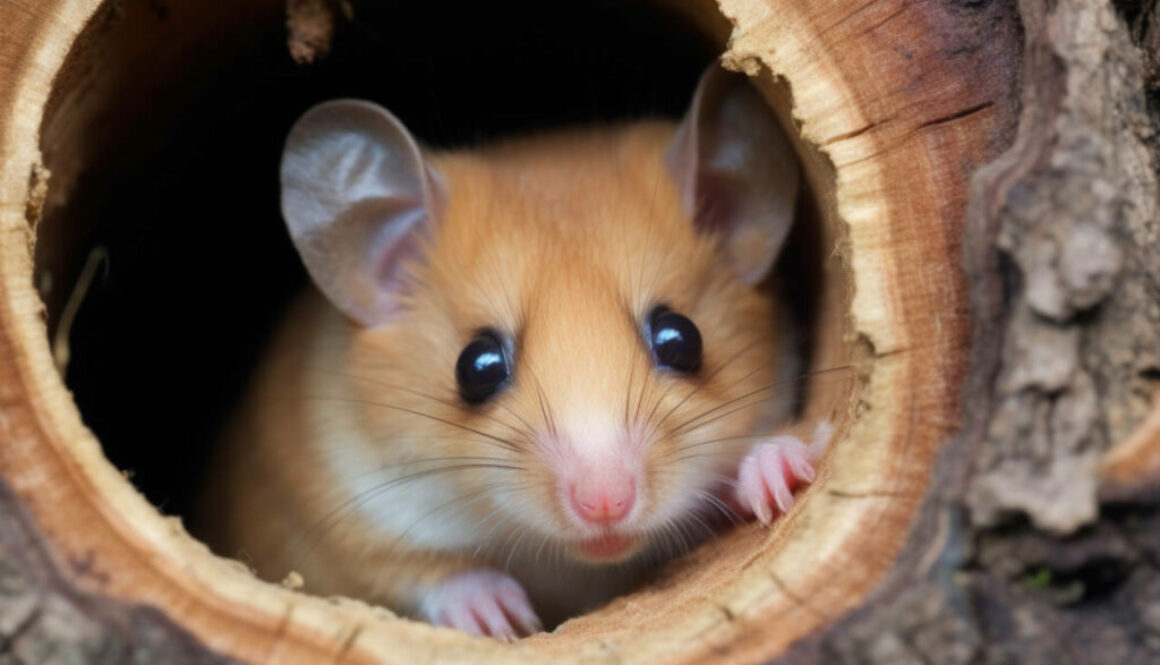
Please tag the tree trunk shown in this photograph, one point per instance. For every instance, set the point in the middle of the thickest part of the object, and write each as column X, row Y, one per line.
column 1040, row 540
column 994, row 490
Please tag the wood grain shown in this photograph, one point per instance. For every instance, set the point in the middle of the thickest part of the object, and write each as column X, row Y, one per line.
column 896, row 102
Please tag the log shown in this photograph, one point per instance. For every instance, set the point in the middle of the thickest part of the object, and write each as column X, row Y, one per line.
column 987, row 225
column 1039, row 542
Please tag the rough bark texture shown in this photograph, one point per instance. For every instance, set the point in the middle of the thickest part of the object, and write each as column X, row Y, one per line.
column 1022, row 555
column 45, row 620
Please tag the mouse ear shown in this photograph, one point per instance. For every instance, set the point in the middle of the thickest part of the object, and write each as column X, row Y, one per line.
column 356, row 196
column 736, row 171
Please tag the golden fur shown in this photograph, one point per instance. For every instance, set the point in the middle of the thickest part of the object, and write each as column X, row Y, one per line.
column 565, row 242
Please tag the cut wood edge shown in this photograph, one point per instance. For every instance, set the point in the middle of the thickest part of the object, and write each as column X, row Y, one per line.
column 906, row 324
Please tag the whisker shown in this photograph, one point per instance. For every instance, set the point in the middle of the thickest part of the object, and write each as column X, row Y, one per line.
column 385, row 384
column 640, row 397
column 685, row 425
column 721, row 507
column 689, row 538
column 433, row 398
column 628, row 393
column 700, row 384
column 657, row 403
column 485, row 542
column 545, row 408
column 460, row 503
column 362, row 498
column 380, row 468
column 708, row 530
column 724, row 439
column 682, row 537
column 751, row 373
column 771, row 386
column 544, row 540
column 335, row 516
column 464, row 502
column 528, row 432
column 676, row 538
column 507, row 443
column 724, row 479
column 515, row 546
column 759, row 402
column 347, row 444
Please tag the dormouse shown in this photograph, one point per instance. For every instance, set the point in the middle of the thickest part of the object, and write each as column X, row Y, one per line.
column 527, row 372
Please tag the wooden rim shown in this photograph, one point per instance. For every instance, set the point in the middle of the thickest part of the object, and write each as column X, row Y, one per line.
column 890, row 159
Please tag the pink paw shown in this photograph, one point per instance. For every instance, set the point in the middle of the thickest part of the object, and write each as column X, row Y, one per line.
column 483, row 602
column 773, row 468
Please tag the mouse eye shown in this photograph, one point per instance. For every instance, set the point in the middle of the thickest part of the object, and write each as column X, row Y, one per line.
column 482, row 368
column 675, row 341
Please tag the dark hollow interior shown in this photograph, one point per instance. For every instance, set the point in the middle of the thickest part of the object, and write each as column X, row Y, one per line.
column 185, row 202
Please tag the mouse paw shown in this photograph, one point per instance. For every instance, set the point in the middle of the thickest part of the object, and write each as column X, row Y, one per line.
column 773, row 468
column 483, row 602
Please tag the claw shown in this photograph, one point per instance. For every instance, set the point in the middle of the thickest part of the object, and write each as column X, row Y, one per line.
column 773, row 468
column 482, row 602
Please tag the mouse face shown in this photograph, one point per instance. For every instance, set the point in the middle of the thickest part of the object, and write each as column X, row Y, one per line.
column 573, row 329
column 558, row 337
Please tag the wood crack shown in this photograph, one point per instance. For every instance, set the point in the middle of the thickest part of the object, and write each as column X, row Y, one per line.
column 959, row 115
column 886, row 20
column 845, row 136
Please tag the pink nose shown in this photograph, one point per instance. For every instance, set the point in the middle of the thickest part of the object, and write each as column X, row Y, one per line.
column 604, row 498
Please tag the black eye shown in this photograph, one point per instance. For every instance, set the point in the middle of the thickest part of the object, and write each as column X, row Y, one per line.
column 675, row 341
column 482, row 368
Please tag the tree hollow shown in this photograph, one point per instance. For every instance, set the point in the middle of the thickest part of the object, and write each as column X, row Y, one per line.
column 890, row 114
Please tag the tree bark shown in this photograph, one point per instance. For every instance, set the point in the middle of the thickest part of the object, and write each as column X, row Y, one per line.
column 45, row 619
column 1037, row 545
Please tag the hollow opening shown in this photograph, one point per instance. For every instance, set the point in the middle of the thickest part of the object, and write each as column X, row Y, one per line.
column 163, row 136
column 185, row 208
